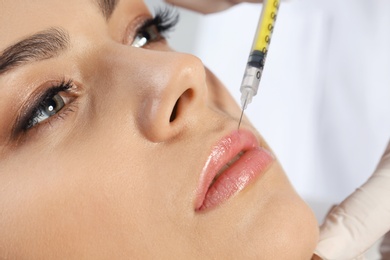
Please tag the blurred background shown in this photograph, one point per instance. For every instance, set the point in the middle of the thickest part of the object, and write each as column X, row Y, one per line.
column 324, row 99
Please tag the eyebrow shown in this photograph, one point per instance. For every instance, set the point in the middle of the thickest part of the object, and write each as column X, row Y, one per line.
column 107, row 7
column 45, row 44
column 40, row 46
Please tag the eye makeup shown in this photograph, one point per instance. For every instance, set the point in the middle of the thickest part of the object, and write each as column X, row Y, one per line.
column 55, row 100
column 164, row 20
column 45, row 105
column 156, row 28
column 48, row 104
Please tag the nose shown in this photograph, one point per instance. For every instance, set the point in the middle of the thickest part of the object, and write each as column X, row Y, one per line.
column 171, row 89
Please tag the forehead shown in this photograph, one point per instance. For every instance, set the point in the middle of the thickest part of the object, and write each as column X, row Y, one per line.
column 20, row 18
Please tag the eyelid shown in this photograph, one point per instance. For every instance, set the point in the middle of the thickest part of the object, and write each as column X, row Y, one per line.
column 33, row 121
column 164, row 20
column 35, row 99
column 133, row 27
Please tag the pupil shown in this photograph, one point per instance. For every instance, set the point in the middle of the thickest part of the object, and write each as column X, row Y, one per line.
column 51, row 107
column 146, row 35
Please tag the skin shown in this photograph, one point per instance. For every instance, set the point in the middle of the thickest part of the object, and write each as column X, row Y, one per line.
column 113, row 178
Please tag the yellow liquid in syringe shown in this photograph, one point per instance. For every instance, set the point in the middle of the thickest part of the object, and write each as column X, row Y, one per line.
column 266, row 25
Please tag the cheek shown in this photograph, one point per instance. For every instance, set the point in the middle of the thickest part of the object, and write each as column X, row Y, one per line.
column 290, row 230
column 80, row 196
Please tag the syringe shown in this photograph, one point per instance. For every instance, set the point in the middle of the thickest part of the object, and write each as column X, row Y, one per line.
column 258, row 54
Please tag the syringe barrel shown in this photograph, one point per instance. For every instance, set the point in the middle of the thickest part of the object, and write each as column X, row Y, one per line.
column 266, row 25
column 254, row 69
column 250, row 84
column 251, row 78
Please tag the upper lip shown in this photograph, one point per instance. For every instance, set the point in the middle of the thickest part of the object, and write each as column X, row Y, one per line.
column 222, row 153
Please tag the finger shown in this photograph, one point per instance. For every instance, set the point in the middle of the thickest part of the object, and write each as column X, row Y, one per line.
column 208, row 6
column 203, row 6
column 315, row 257
column 361, row 219
column 385, row 247
column 247, row 1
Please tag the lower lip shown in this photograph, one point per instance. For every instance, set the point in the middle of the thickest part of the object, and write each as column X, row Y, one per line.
column 252, row 164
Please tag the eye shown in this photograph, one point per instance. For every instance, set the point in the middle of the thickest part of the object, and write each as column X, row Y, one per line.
column 49, row 104
column 154, row 29
column 149, row 34
column 47, row 108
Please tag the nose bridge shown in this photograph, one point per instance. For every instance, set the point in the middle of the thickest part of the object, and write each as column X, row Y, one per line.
column 170, row 88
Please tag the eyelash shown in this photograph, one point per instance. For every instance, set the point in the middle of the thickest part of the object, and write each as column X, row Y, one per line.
column 30, row 118
column 163, row 22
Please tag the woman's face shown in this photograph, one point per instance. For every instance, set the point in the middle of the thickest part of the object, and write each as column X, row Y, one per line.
column 109, row 150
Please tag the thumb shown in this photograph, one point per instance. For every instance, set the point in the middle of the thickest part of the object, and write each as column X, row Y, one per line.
column 364, row 217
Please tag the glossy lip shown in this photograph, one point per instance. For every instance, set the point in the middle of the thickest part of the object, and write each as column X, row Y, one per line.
column 240, row 174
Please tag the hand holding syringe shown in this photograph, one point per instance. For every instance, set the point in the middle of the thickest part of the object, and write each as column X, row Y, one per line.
column 258, row 54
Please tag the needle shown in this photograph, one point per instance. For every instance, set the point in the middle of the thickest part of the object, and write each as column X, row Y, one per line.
column 242, row 113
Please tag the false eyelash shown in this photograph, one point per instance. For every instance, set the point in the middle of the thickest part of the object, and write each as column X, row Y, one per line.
column 165, row 19
column 28, row 121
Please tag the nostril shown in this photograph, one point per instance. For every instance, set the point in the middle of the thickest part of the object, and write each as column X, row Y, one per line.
column 182, row 102
column 174, row 112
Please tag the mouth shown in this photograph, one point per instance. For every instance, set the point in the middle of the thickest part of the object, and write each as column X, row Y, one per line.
column 225, row 167
column 234, row 162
